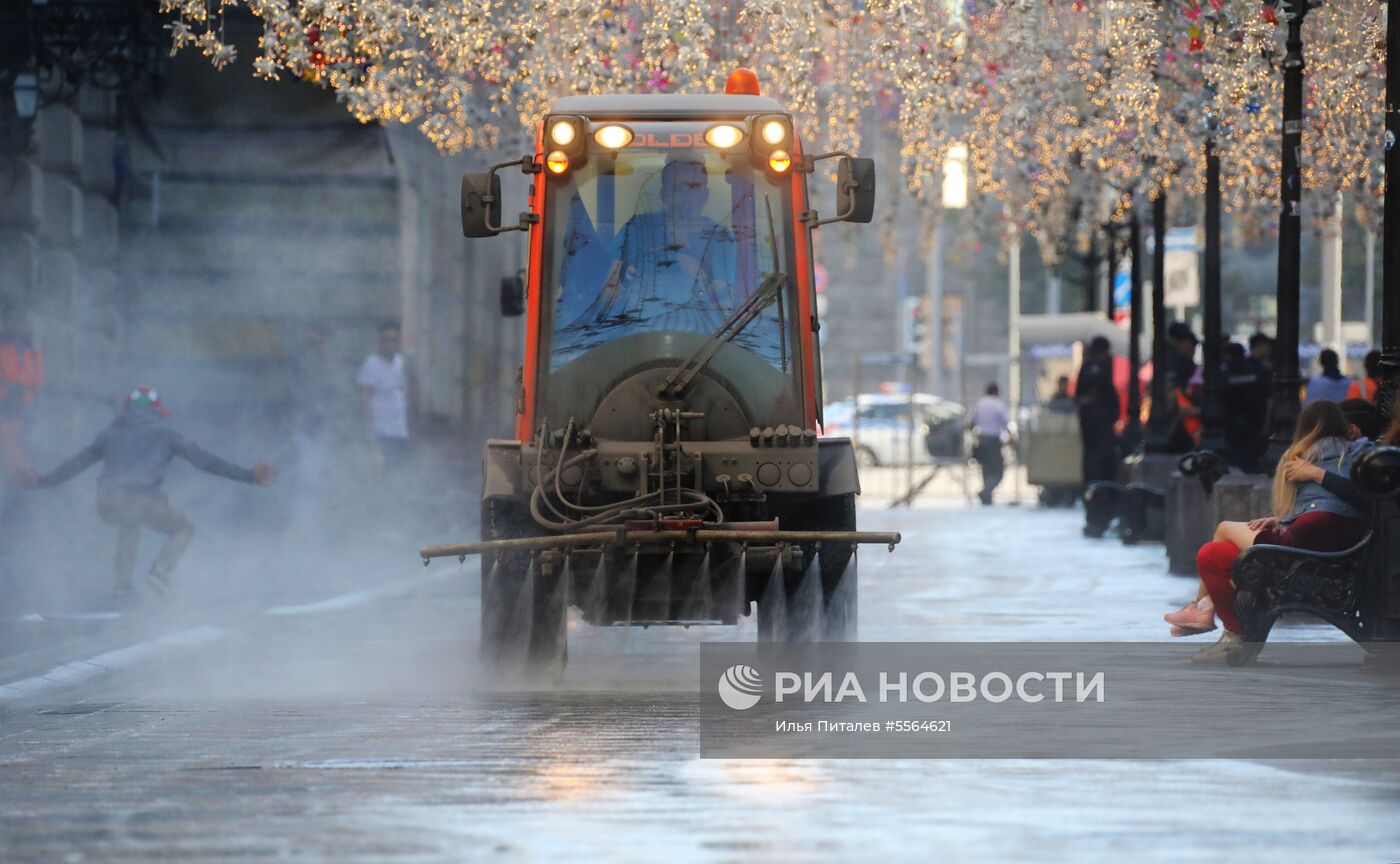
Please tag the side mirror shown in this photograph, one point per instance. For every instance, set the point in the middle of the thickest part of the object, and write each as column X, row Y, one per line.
column 481, row 205
column 855, row 189
column 513, row 295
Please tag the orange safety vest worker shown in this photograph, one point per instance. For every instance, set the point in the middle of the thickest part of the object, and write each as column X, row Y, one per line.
column 1371, row 385
column 1190, row 415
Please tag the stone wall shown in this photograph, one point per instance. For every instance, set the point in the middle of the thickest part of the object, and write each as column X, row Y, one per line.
column 59, row 252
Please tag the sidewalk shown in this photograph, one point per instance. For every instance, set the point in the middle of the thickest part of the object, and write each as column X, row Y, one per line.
column 946, row 485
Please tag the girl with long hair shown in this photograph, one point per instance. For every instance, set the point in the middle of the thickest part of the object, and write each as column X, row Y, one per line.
column 1308, row 514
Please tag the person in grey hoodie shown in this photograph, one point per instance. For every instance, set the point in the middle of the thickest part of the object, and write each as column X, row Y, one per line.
column 135, row 450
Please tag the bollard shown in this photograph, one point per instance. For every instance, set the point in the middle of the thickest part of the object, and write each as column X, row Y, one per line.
column 1188, row 517
column 1144, row 501
column 1188, row 524
column 1232, row 500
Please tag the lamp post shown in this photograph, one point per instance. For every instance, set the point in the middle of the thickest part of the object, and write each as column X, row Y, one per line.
column 1385, row 591
column 954, row 189
column 1212, row 437
column 1390, row 246
column 1089, row 301
column 1158, row 418
column 1110, row 233
column 1132, row 432
column 1283, row 415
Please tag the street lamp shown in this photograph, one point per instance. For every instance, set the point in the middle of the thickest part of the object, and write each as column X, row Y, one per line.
column 1386, row 399
column 1283, row 415
column 1212, row 429
column 1133, row 430
column 1158, row 418
column 954, row 196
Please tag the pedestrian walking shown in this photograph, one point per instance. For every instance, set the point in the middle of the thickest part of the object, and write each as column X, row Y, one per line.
column 388, row 396
column 135, row 450
column 1099, row 409
column 989, row 421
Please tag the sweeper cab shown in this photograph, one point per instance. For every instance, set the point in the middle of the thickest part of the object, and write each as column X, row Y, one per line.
column 666, row 466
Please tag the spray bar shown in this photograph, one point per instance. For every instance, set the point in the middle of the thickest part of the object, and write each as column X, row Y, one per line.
column 625, row 536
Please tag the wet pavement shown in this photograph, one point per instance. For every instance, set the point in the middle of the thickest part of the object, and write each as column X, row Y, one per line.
column 358, row 727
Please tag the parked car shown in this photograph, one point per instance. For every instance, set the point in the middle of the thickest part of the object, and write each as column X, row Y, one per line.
column 882, row 436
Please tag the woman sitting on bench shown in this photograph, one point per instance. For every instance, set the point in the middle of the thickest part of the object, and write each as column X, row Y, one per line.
column 1315, row 508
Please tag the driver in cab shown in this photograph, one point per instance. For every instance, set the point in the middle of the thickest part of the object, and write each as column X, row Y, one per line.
column 678, row 255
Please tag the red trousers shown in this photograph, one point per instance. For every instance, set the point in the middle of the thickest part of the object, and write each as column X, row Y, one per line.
column 1213, row 562
column 1321, row 532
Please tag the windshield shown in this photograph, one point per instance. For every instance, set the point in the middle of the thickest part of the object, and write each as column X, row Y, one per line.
column 665, row 238
column 649, row 251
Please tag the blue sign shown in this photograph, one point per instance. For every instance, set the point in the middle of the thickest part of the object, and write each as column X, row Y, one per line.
column 1122, row 289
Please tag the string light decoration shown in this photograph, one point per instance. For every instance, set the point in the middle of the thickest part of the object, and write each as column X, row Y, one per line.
column 1056, row 101
column 921, row 76
column 787, row 43
column 1344, row 103
column 1030, row 67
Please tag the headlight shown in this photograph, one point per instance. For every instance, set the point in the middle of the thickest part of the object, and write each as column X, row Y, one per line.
column 613, row 137
column 774, row 132
column 568, row 134
column 562, row 133
column 723, row 136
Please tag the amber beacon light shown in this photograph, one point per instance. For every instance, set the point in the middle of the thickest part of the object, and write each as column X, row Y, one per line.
column 742, row 82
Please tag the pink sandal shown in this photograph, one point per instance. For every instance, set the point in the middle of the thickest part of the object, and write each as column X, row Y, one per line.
column 1192, row 617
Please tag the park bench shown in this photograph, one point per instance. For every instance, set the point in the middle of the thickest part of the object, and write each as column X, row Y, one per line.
column 1355, row 590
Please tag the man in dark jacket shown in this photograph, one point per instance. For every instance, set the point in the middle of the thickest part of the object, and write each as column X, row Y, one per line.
column 1099, row 410
column 134, row 451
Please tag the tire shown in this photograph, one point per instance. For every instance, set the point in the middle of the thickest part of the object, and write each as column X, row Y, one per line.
column 523, row 609
column 838, row 580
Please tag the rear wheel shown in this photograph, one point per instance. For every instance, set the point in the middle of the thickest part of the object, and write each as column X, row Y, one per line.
column 524, row 597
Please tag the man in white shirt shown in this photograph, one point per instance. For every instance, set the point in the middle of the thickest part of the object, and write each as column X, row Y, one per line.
column 989, row 420
column 387, row 395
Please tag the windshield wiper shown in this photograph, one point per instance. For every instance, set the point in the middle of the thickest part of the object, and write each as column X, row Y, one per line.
column 768, row 292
